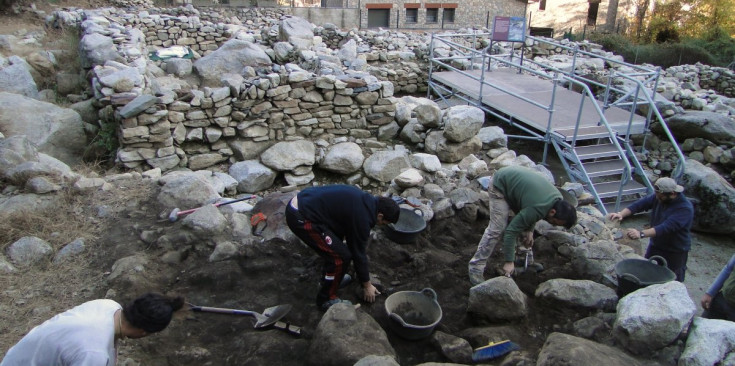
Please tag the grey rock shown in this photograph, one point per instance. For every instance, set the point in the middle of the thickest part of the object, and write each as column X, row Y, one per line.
column 96, row 49
column 206, row 222
column 252, row 176
column 578, row 293
column 186, row 191
column 385, row 165
column 54, row 130
column 713, row 198
column 564, row 349
column 462, row 122
column 343, row 158
column 344, row 336
column 137, row 105
column 29, row 250
column 75, row 247
column 17, row 79
column 709, row 342
column 509, row 302
column 287, row 155
column 230, row 58
column 653, row 317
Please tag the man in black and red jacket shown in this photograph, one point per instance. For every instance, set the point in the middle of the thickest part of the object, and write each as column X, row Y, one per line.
column 336, row 221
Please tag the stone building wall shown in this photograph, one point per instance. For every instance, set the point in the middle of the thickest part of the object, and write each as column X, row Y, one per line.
column 467, row 13
column 571, row 15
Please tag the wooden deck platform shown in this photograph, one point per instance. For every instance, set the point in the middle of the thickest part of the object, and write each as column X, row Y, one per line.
column 566, row 103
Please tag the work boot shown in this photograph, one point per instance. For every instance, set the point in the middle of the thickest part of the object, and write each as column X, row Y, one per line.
column 328, row 304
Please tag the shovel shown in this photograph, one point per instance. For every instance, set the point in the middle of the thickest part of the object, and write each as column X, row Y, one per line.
column 270, row 316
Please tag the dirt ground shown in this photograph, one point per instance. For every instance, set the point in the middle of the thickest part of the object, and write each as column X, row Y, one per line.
column 268, row 273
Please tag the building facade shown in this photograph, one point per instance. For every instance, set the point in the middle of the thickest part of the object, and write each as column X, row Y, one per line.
column 434, row 15
column 577, row 16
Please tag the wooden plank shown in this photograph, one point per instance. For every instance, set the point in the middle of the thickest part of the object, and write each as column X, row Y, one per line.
column 566, row 103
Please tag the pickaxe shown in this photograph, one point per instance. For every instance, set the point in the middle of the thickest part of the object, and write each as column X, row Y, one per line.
column 174, row 215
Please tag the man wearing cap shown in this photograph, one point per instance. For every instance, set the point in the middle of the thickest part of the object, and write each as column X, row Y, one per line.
column 532, row 197
column 671, row 221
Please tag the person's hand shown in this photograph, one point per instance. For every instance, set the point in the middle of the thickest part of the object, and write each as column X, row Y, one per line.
column 633, row 234
column 706, row 301
column 615, row 216
column 508, row 268
column 369, row 292
column 527, row 239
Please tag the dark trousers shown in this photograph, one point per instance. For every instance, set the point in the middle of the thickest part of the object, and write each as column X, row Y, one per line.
column 719, row 308
column 676, row 261
column 333, row 250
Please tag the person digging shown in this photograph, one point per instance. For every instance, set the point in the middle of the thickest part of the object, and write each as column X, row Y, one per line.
column 335, row 221
column 532, row 197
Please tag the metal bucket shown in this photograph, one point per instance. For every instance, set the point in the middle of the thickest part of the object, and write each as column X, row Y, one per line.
column 634, row 274
column 410, row 224
column 413, row 314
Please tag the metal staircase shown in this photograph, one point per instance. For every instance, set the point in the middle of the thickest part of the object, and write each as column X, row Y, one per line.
column 593, row 152
column 598, row 161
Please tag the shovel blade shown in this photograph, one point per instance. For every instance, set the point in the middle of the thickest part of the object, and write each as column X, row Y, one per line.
column 271, row 315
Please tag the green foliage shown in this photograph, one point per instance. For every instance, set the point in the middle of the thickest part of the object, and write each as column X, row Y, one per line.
column 718, row 52
column 718, row 43
column 106, row 138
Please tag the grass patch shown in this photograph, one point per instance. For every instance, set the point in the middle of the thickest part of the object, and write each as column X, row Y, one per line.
column 58, row 226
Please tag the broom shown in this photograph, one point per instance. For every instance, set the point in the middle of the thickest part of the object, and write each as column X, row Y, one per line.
column 494, row 350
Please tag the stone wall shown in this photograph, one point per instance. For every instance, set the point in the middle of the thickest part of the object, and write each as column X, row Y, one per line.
column 201, row 128
column 164, row 123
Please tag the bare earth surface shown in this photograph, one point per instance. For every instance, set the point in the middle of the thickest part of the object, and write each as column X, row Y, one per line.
column 270, row 273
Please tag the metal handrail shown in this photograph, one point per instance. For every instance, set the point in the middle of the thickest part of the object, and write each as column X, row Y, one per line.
column 471, row 54
column 679, row 170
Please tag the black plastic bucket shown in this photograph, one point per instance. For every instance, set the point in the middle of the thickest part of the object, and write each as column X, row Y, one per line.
column 634, row 274
column 410, row 224
column 413, row 314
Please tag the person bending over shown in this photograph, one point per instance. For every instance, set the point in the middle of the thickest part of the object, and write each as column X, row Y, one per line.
column 335, row 221
column 532, row 197
column 87, row 334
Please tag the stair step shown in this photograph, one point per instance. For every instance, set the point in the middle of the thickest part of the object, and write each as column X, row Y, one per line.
column 610, row 189
column 584, row 133
column 604, row 168
column 596, row 151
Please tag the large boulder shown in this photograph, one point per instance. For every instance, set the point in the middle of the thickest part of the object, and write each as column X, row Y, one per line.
column 563, row 349
column 343, row 158
column 448, row 151
column 186, row 191
column 231, row 58
column 297, row 31
column 344, row 336
column 287, row 155
column 653, row 317
column 707, row 125
column 385, row 165
column 710, row 341
column 96, row 49
column 578, row 293
column 713, row 198
column 462, row 122
column 16, row 78
column 508, row 301
column 56, row 131
column 252, row 176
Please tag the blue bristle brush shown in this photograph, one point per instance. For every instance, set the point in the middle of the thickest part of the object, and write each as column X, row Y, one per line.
column 494, row 350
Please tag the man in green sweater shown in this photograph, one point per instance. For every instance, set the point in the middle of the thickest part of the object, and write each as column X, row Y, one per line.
column 532, row 197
